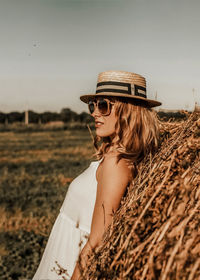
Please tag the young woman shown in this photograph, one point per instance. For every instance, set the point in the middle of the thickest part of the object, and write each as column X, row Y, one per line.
column 126, row 131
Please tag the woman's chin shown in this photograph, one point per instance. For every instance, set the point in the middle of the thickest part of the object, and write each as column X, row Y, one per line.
column 101, row 134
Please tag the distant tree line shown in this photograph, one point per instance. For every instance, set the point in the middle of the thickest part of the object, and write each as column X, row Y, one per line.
column 66, row 115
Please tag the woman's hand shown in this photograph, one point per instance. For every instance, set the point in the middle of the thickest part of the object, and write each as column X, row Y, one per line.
column 85, row 251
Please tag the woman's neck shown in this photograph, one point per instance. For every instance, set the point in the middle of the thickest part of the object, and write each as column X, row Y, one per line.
column 111, row 149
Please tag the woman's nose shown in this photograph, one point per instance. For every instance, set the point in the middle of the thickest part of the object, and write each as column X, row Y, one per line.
column 96, row 112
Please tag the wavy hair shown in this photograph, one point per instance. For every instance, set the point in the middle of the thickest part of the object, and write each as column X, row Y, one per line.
column 136, row 133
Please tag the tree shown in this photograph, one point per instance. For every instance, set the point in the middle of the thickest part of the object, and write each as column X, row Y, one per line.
column 67, row 115
column 85, row 117
column 15, row 117
column 49, row 117
column 2, row 117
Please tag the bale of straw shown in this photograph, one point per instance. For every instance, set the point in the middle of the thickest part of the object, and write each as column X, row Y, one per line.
column 155, row 234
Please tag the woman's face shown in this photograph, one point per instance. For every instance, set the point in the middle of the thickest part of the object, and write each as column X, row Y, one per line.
column 105, row 125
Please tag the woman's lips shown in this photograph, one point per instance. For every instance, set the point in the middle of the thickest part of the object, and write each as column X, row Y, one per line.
column 98, row 124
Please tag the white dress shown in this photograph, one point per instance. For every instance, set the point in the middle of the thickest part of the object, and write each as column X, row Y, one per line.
column 71, row 227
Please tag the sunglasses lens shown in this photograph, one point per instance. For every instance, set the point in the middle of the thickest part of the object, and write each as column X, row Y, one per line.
column 103, row 106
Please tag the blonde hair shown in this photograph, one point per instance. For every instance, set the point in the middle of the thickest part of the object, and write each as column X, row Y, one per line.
column 136, row 133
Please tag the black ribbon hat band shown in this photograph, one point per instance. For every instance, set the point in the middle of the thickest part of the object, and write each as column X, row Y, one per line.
column 120, row 87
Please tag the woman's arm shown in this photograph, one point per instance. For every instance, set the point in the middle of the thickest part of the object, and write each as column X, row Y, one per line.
column 113, row 179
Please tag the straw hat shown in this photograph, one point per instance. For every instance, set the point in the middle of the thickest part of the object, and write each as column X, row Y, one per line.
column 122, row 84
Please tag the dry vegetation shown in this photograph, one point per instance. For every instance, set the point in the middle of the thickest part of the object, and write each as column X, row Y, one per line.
column 17, row 221
column 155, row 234
column 35, row 171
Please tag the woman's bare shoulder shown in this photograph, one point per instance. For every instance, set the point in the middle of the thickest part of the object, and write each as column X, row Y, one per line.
column 110, row 165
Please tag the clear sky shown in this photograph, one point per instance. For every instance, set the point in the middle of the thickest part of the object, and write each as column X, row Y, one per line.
column 51, row 51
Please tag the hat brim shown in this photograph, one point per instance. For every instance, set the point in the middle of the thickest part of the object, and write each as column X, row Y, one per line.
column 139, row 100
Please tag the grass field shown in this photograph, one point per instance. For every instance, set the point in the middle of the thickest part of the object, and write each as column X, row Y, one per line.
column 36, row 169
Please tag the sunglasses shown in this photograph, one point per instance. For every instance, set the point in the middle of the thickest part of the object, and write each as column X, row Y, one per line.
column 104, row 106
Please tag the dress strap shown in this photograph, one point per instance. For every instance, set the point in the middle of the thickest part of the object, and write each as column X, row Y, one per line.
column 101, row 159
column 97, row 161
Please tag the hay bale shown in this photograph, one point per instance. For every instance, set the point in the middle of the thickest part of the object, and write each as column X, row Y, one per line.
column 155, row 234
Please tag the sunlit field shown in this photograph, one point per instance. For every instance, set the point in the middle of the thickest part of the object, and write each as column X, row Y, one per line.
column 158, row 212
column 36, row 169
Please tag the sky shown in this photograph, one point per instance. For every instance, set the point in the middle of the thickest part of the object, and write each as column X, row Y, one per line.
column 51, row 51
